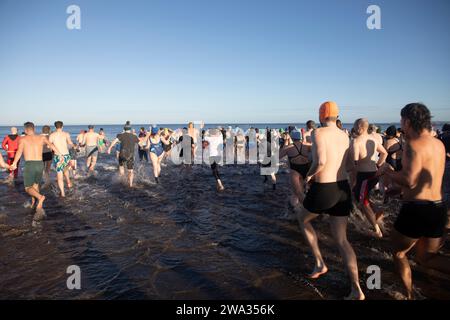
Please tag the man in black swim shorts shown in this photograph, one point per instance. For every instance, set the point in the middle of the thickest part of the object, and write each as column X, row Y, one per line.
column 422, row 218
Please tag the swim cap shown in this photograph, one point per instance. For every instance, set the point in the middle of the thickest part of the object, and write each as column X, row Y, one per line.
column 327, row 110
column 296, row 135
column 155, row 130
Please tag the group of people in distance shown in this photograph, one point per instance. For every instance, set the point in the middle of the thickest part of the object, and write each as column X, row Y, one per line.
column 330, row 170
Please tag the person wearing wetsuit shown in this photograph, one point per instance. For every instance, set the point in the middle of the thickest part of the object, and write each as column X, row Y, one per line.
column 11, row 145
column 299, row 164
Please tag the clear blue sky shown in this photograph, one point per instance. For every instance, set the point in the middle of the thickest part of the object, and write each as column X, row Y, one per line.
column 220, row 60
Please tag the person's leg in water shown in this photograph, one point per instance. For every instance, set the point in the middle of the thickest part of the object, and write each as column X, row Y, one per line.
column 401, row 246
column 93, row 162
column 427, row 255
column 60, row 181
column 47, row 168
column 160, row 159
column 365, row 207
column 297, row 185
column 67, row 176
column 339, row 232
column 33, row 191
column 155, row 164
column 215, row 171
column 130, row 177
column 304, row 219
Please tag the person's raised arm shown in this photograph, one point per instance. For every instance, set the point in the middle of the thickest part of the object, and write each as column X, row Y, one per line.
column 283, row 152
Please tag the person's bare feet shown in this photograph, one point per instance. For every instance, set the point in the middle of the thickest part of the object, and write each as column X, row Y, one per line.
column 318, row 271
column 356, row 294
column 40, row 203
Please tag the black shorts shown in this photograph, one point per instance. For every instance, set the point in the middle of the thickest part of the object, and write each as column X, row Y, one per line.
column 128, row 162
column 418, row 219
column 362, row 189
column 302, row 169
column 334, row 198
column 48, row 156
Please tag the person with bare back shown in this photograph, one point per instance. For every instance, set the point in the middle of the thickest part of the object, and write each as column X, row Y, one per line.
column 422, row 219
column 330, row 193
column 31, row 147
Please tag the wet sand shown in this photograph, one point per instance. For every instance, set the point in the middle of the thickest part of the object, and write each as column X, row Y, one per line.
column 181, row 239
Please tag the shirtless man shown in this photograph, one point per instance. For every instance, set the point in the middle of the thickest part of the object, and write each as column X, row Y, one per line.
column 62, row 141
column 310, row 126
column 423, row 215
column 364, row 149
column 330, row 193
column 80, row 141
column 91, row 140
column 31, row 146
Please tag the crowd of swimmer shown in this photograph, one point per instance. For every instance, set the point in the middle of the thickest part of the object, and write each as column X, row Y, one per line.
column 330, row 170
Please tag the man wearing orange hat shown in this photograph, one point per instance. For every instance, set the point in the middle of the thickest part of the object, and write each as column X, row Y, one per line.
column 330, row 193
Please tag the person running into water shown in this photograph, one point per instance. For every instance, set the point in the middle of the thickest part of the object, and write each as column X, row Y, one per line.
column 167, row 135
column 422, row 216
column 47, row 156
column 61, row 160
column 91, row 141
column 31, row 147
column 80, row 143
column 330, row 194
column 299, row 164
column 156, row 144
column 310, row 127
column 214, row 143
column 364, row 149
column 102, row 142
column 268, row 160
column 128, row 142
column 143, row 150
column 10, row 145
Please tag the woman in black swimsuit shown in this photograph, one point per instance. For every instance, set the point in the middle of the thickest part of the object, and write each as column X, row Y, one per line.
column 393, row 146
column 299, row 163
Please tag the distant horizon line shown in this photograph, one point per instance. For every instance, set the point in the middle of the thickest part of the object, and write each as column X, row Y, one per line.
column 206, row 123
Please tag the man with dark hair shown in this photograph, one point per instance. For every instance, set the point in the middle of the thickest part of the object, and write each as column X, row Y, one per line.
column 422, row 218
column 31, row 147
column 61, row 160
column 330, row 194
column 445, row 138
column 128, row 142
